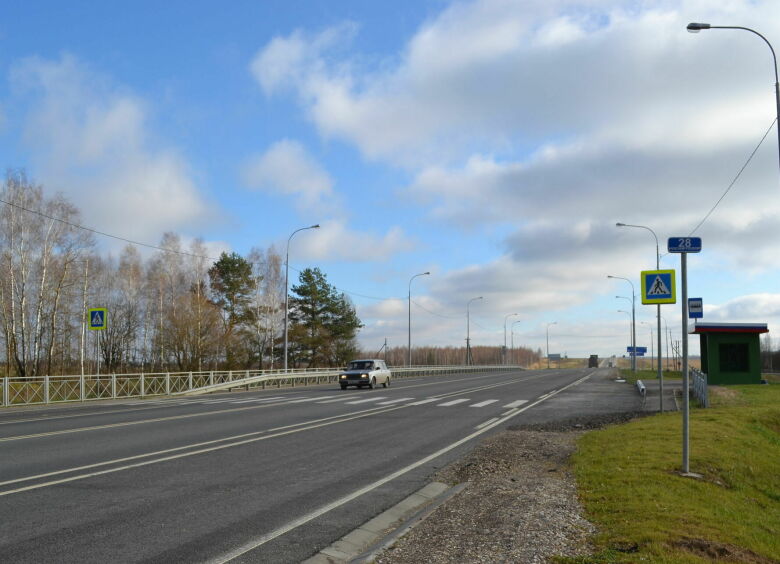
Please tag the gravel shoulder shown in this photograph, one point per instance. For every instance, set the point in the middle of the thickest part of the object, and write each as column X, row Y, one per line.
column 520, row 503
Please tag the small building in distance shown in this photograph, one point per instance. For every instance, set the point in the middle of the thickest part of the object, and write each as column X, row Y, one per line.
column 730, row 352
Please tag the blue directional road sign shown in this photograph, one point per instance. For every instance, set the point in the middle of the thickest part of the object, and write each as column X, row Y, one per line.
column 658, row 287
column 640, row 351
column 695, row 308
column 98, row 318
column 684, row 245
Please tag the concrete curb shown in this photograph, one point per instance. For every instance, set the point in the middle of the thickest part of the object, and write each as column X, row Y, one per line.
column 381, row 530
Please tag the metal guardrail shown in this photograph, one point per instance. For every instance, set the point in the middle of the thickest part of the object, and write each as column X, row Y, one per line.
column 641, row 388
column 699, row 388
column 63, row 389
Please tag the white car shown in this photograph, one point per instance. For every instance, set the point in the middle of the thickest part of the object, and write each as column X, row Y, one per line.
column 365, row 372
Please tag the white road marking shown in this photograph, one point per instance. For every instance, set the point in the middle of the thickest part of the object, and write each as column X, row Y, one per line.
column 345, row 398
column 429, row 400
column 483, row 403
column 517, row 403
column 453, row 402
column 366, row 400
column 486, row 423
column 259, row 400
column 394, row 401
column 245, row 438
column 364, row 490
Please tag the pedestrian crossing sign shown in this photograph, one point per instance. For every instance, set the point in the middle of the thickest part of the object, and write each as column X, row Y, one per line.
column 98, row 318
column 658, row 287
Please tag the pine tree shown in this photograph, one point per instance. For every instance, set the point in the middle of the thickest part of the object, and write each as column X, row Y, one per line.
column 324, row 323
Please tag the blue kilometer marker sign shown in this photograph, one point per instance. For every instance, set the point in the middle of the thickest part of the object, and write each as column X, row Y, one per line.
column 684, row 245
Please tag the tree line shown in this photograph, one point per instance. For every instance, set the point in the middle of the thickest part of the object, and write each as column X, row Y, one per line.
column 175, row 310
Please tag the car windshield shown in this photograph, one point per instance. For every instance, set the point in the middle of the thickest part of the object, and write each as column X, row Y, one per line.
column 361, row 365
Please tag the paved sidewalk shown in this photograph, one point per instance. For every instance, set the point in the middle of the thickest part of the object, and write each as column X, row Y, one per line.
column 653, row 397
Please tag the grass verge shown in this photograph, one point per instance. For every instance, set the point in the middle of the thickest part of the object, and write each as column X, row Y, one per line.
column 646, row 375
column 629, row 483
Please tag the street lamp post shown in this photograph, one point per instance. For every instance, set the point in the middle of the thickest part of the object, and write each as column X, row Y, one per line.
column 286, row 285
column 548, row 343
column 468, row 331
column 697, row 27
column 512, row 331
column 410, row 312
column 633, row 320
column 630, row 325
column 652, row 353
column 507, row 316
column 659, row 373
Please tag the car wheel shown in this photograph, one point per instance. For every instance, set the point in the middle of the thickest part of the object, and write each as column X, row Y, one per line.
column 386, row 383
column 371, row 384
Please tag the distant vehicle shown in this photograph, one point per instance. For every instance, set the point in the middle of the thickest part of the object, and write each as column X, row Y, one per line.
column 593, row 361
column 365, row 372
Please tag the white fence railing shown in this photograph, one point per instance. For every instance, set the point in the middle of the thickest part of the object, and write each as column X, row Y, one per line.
column 62, row 389
column 699, row 387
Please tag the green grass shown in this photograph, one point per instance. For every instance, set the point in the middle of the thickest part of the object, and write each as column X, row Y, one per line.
column 629, row 483
column 648, row 375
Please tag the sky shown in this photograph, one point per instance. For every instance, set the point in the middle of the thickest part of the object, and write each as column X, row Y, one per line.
column 492, row 143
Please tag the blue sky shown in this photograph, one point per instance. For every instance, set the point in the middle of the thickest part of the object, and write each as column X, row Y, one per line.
column 494, row 143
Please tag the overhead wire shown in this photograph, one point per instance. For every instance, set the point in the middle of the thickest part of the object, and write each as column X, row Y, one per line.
column 166, row 250
column 734, row 181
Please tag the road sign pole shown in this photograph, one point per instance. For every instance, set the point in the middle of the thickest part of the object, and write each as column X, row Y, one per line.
column 686, row 414
column 660, row 354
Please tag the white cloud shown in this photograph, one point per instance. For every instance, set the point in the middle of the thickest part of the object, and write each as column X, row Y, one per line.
column 288, row 169
column 490, row 72
column 336, row 241
column 90, row 139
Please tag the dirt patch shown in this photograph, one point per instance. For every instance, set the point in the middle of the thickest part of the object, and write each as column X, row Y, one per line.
column 520, row 505
column 719, row 552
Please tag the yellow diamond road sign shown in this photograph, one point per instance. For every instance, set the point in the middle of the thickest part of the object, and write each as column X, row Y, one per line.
column 658, row 287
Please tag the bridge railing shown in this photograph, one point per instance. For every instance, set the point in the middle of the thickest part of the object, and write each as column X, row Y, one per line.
column 62, row 389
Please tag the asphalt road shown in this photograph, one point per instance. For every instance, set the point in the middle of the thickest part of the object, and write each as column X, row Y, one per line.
column 269, row 476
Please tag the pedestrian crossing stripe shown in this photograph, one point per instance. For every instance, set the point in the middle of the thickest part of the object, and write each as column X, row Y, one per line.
column 658, row 287
column 98, row 318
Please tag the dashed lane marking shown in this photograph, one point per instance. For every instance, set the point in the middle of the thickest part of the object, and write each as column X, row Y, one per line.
column 517, row 403
column 453, row 402
column 484, row 403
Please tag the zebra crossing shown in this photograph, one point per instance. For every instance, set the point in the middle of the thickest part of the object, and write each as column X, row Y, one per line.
column 339, row 398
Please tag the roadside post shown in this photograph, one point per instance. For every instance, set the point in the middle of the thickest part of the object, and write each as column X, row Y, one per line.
column 683, row 246
column 658, row 288
column 98, row 321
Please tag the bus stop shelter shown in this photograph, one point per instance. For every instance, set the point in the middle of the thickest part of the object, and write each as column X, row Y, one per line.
column 731, row 352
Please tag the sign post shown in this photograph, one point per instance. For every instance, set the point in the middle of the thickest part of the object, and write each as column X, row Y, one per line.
column 658, row 288
column 683, row 246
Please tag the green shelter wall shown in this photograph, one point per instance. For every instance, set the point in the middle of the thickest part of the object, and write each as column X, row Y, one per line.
column 731, row 358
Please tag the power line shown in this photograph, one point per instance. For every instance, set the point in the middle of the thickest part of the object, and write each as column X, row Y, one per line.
column 77, row 226
column 744, row 166
column 436, row 314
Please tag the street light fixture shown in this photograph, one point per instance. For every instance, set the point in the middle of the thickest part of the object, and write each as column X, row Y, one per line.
column 694, row 27
column 286, row 285
column 633, row 319
column 660, row 373
column 410, row 312
column 507, row 316
column 548, row 343
column 468, row 331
